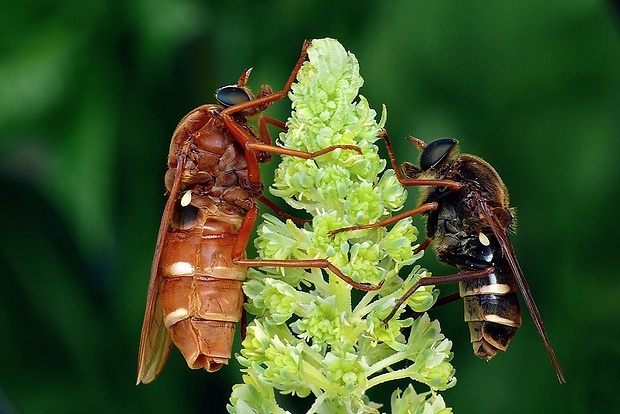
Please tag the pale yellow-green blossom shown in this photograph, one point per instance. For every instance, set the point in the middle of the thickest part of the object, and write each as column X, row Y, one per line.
column 408, row 402
column 314, row 334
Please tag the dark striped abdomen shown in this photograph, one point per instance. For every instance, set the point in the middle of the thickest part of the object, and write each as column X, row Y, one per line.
column 491, row 310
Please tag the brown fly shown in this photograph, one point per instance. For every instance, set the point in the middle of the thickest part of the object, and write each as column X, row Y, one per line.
column 213, row 180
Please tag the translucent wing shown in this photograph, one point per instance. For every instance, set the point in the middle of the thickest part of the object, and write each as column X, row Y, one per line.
column 155, row 341
column 506, row 246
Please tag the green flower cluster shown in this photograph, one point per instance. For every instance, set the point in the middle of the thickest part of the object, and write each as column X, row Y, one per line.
column 309, row 335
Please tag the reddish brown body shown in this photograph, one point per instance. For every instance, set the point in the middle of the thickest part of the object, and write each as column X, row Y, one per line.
column 201, row 292
column 195, row 297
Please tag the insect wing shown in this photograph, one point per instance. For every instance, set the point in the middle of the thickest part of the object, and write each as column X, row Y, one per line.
column 155, row 340
column 506, row 246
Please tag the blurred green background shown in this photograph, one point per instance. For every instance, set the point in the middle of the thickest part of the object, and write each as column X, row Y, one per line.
column 90, row 93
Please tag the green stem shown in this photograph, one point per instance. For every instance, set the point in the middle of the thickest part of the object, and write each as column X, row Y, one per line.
column 392, row 375
column 386, row 362
column 311, row 375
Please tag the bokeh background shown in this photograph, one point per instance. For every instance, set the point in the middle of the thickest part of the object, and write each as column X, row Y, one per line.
column 90, row 93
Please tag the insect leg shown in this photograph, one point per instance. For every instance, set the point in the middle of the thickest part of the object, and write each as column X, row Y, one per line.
column 263, row 133
column 265, row 143
column 423, row 246
column 418, row 210
column 265, row 138
column 309, row 264
column 244, row 322
column 447, row 299
column 243, row 237
column 438, row 280
column 276, row 96
column 413, row 182
column 248, row 141
column 440, row 302
column 256, row 146
column 279, row 212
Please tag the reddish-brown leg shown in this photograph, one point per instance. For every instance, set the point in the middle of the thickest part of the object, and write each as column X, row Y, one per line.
column 418, row 210
column 438, row 280
column 279, row 212
column 243, row 238
column 423, row 246
column 249, row 141
column 276, row 96
column 412, row 182
column 263, row 133
column 242, row 135
column 440, row 302
column 244, row 322
column 264, row 144
column 265, row 138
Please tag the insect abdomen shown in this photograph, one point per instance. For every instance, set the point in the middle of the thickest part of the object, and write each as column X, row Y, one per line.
column 201, row 294
column 492, row 311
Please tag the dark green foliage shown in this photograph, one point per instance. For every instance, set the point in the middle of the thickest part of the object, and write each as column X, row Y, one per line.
column 90, row 93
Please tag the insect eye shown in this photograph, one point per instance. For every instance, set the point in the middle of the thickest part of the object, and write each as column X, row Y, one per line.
column 436, row 152
column 232, row 95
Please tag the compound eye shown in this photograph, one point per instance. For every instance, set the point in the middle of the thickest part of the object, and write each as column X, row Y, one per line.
column 232, row 95
column 436, row 152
